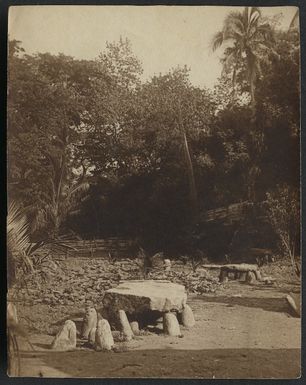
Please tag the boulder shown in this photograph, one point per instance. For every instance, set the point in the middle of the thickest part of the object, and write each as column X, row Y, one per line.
column 125, row 326
column 138, row 297
column 268, row 280
column 187, row 317
column 65, row 338
column 89, row 321
column 104, row 339
column 171, row 325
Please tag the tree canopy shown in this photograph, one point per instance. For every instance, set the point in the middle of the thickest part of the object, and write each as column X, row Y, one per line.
column 93, row 148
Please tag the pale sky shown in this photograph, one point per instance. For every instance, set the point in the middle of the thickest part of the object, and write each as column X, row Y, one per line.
column 162, row 37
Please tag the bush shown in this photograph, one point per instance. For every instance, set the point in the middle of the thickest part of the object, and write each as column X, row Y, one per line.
column 283, row 207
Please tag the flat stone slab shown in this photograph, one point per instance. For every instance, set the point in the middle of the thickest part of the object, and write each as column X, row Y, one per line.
column 146, row 295
column 244, row 267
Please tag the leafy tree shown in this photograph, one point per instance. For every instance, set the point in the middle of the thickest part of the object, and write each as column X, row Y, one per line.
column 153, row 156
column 44, row 109
column 147, row 155
column 284, row 216
column 279, row 114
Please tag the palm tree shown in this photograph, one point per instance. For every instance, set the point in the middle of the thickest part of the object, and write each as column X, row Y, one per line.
column 294, row 24
column 251, row 40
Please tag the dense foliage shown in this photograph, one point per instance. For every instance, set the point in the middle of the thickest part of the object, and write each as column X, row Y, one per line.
column 93, row 149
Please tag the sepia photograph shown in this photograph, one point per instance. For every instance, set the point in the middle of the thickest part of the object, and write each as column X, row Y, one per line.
column 153, row 192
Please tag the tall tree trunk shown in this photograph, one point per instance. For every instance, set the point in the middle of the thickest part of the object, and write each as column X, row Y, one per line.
column 234, row 84
column 190, row 172
column 192, row 185
column 253, row 100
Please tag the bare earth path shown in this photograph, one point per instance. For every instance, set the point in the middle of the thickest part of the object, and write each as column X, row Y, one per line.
column 243, row 332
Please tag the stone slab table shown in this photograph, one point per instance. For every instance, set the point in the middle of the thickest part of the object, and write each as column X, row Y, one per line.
column 140, row 297
column 248, row 271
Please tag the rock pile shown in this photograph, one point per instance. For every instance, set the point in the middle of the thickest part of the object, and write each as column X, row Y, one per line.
column 77, row 281
column 198, row 282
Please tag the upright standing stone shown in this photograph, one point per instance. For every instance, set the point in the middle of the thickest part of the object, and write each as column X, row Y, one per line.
column 223, row 275
column 250, row 278
column 294, row 300
column 135, row 327
column 187, row 317
column 125, row 326
column 11, row 314
column 89, row 321
column 65, row 338
column 104, row 337
column 237, row 275
column 258, row 275
column 171, row 325
column 92, row 336
column 167, row 264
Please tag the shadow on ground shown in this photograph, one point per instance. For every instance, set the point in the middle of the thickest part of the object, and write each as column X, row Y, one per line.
column 170, row 363
column 278, row 305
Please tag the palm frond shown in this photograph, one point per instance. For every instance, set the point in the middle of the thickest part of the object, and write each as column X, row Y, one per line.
column 217, row 41
column 229, row 60
column 81, row 187
column 17, row 229
column 245, row 16
column 234, row 22
column 254, row 11
column 18, row 238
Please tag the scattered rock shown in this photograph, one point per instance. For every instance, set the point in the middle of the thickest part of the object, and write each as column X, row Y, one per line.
column 268, row 280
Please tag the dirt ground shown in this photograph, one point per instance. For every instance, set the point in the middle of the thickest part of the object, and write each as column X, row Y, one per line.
column 243, row 331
